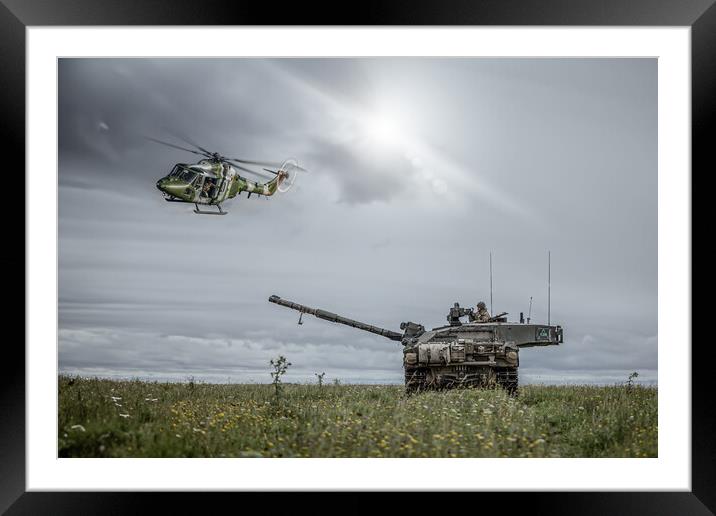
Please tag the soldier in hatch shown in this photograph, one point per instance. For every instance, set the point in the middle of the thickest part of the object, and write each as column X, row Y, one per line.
column 482, row 315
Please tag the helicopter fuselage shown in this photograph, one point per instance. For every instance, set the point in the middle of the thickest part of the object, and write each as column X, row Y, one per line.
column 210, row 182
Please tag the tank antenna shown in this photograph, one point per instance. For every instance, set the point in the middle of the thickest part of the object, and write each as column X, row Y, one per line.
column 529, row 314
column 549, row 285
column 491, row 310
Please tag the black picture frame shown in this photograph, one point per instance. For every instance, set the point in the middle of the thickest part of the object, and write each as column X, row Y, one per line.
column 16, row 15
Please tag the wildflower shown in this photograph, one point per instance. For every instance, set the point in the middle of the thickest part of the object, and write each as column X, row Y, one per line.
column 78, row 427
column 124, row 415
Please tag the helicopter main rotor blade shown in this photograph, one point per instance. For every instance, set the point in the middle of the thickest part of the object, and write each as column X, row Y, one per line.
column 250, row 171
column 259, row 163
column 187, row 140
column 177, row 147
column 274, row 172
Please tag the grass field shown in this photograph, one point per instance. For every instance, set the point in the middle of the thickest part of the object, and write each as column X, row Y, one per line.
column 103, row 418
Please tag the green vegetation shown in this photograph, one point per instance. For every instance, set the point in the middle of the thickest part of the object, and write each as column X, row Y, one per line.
column 103, row 418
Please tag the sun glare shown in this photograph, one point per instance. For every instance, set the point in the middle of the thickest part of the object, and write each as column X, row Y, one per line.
column 382, row 129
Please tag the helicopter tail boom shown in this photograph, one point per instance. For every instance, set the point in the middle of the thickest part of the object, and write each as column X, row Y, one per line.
column 267, row 189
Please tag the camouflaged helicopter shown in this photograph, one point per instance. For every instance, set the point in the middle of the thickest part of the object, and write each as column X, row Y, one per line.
column 215, row 179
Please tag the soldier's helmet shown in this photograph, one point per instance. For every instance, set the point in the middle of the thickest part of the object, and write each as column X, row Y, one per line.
column 481, row 305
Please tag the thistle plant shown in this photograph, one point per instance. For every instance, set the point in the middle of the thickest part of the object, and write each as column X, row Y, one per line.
column 280, row 366
column 320, row 378
column 630, row 380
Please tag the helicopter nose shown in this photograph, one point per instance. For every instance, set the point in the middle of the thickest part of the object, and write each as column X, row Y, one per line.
column 160, row 184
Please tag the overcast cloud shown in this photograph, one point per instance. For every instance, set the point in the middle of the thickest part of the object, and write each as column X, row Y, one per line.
column 418, row 169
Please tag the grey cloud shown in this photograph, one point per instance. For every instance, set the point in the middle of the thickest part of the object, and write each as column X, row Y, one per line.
column 361, row 177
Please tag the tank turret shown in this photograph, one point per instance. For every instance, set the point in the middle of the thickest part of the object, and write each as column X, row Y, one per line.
column 459, row 354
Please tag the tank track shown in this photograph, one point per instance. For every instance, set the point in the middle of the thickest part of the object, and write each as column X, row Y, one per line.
column 507, row 379
column 415, row 380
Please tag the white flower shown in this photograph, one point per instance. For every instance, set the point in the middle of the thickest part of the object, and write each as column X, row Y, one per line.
column 78, row 427
column 124, row 415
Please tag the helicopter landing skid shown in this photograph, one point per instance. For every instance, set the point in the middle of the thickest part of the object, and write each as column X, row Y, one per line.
column 200, row 212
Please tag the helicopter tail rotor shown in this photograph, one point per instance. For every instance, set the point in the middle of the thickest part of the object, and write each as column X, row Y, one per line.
column 287, row 174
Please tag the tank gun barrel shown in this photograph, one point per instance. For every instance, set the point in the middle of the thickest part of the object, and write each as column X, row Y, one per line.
column 329, row 316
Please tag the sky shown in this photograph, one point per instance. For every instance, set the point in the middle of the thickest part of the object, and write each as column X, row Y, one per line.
column 418, row 169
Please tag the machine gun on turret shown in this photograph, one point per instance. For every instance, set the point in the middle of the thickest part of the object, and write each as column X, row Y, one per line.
column 456, row 312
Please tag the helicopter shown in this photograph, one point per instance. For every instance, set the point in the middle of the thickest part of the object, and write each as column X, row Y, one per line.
column 215, row 178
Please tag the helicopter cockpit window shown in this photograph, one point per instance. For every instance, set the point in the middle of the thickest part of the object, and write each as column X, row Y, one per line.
column 187, row 176
column 183, row 173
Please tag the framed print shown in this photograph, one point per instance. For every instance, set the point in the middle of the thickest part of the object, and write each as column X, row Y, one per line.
column 367, row 173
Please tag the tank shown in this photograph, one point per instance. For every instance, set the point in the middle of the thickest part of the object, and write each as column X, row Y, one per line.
column 458, row 354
